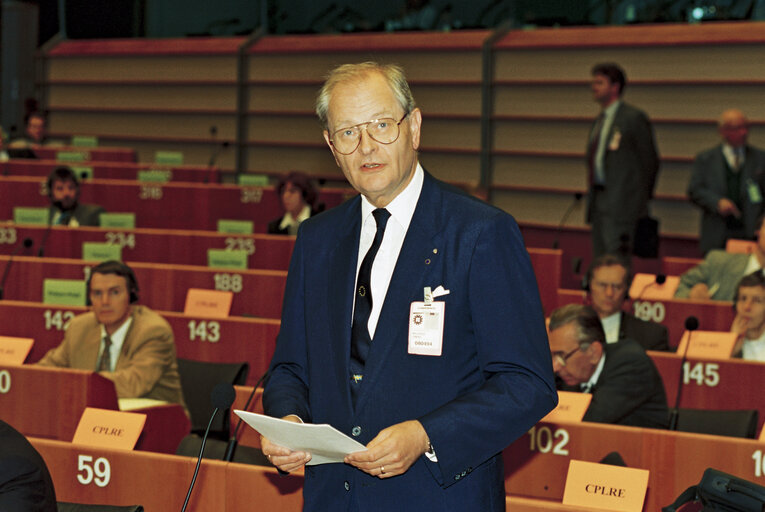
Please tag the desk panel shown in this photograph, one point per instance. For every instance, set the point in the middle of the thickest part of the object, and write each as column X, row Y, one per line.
column 712, row 315
column 113, row 170
column 547, row 268
column 226, row 340
column 537, row 468
column 731, row 384
column 48, row 402
column 159, row 482
column 257, row 293
column 165, row 205
column 181, row 247
column 672, row 266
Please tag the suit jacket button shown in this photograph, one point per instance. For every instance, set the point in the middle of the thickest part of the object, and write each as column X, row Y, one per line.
column 347, row 486
column 456, row 477
column 356, row 431
column 464, row 473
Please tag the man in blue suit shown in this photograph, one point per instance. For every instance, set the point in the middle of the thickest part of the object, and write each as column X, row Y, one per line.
column 432, row 352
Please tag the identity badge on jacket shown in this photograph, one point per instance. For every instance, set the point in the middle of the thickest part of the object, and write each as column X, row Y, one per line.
column 426, row 324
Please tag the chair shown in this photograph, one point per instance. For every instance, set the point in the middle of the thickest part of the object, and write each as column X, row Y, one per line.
column 63, row 506
column 734, row 423
column 198, row 378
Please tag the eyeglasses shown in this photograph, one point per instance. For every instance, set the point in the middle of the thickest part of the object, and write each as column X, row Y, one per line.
column 385, row 131
column 561, row 358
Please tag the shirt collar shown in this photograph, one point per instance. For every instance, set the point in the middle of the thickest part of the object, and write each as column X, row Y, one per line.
column 610, row 110
column 598, row 370
column 119, row 335
column 288, row 220
column 403, row 205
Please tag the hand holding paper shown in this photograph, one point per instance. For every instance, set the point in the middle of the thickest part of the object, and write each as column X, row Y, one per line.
column 285, row 439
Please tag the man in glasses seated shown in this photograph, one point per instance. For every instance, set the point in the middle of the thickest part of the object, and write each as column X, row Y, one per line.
column 626, row 386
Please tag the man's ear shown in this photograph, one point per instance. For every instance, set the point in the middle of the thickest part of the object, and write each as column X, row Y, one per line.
column 595, row 351
column 415, row 123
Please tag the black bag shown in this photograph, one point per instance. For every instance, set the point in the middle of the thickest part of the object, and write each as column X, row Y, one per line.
column 646, row 238
column 722, row 492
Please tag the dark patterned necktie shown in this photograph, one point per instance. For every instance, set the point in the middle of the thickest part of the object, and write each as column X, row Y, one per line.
column 360, row 338
column 105, row 364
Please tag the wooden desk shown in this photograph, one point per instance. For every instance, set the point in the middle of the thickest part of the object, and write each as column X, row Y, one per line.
column 712, row 315
column 97, row 154
column 165, row 205
column 221, row 340
column 48, row 402
column 536, row 466
column 730, row 384
column 113, row 170
column 159, row 482
column 182, row 247
column 257, row 293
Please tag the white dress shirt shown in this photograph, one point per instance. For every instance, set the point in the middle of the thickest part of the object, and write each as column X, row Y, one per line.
column 401, row 211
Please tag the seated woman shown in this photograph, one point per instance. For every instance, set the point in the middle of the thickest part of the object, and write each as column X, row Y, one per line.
column 298, row 197
column 749, row 322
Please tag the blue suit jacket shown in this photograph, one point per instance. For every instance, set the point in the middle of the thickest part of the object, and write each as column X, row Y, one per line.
column 492, row 382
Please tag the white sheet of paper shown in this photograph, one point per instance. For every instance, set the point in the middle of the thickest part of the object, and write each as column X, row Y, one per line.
column 324, row 442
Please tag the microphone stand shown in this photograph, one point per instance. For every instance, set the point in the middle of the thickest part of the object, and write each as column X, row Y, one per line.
column 232, row 442
column 691, row 324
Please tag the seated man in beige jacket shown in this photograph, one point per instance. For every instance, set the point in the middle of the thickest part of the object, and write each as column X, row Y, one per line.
column 126, row 343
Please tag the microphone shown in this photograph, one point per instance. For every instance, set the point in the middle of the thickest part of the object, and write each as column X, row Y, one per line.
column 232, row 442
column 222, row 397
column 577, row 197
column 613, row 459
column 25, row 244
column 659, row 280
column 691, row 324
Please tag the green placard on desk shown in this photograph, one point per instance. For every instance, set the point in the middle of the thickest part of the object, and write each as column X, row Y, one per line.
column 83, row 172
column 36, row 216
column 117, row 220
column 66, row 292
column 253, row 180
column 223, row 258
column 72, row 156
column 101, row 251
column 168, row 157
column 84, row 141
column 238, row 227
column 157, row 175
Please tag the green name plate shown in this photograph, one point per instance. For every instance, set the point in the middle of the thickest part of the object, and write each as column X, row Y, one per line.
column 24, row 215
column 253, row 180
column 67, row 292
column 83, row 172
column 168, row 157
column 238, row 227
column 158, row 175
column 222, row 258
column 101, row 251
column 85, row 141
column 117, row 220
column 72, row 156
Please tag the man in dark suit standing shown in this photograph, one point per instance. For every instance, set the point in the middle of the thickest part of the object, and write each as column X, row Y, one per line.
column 608, row 282
column 25, row 483
column 626, row 386
column 622, row 162
column 727, row 184
column 411, row 321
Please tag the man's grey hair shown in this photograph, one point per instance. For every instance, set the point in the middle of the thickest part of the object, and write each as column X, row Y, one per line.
column 588, row 326
column 393, row 75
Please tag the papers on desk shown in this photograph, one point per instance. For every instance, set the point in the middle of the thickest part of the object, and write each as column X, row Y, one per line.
column 325, row 443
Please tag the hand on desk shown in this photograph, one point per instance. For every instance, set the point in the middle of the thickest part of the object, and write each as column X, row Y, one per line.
column 392, row 451
column 281, row 457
